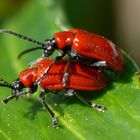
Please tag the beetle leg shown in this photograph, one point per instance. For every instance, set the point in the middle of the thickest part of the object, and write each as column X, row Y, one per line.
column 71, row 92
column 18, row 94
column 42, row 100
column 99, row 64
column 93, row 105
column 13, row 96
column 66, row 75
column 48, row 68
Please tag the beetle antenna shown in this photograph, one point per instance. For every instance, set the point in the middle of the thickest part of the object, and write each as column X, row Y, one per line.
column 13, row 96
column 5, row 101
column 3, row 83
column 21, row 36
column 28, row 50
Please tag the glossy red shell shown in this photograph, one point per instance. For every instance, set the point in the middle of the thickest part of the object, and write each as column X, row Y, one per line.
column 64, row 39
column 92, row 46
column 80, row 77
column 28, row 76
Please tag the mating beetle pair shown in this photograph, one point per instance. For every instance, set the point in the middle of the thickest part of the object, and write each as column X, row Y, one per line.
column 86, row 51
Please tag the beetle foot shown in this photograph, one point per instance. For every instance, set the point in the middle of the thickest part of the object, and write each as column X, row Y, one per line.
column 5, row 101
column 70, row 92
column 55, row 122
column 100, row 108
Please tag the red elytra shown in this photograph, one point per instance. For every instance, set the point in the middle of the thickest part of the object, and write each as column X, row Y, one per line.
column 80, row 77
column 91, row 46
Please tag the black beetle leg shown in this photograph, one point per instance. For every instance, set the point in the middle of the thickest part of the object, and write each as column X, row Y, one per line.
column 66, row 75
column 91, row 104
column 71, row 92
column 42, row 100
column 13, row 96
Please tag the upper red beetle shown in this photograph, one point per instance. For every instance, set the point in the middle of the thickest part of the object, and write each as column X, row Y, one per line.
column 79, row 44
column 80, row 77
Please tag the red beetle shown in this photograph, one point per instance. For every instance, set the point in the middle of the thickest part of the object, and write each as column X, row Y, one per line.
column 79, row 44
column 80, row 77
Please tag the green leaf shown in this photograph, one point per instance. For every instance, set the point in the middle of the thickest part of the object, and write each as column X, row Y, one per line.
column 26, row 119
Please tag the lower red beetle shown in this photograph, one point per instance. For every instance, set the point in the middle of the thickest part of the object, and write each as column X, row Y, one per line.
column 79, row 77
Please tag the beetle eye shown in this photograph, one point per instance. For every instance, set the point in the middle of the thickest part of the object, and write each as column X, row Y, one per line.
column 47, row 42
column 49, row 48
column 17, row 85
column 48, row 52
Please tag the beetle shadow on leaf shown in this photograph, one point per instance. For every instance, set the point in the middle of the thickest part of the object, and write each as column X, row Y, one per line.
column 36, row 106
column 88, row 95
column 130, row 70
column 59, row 102
column 124, row 77
column 33, row 109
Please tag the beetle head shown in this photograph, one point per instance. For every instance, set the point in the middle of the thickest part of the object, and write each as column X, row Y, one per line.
column 49, row 47
column 16, row 88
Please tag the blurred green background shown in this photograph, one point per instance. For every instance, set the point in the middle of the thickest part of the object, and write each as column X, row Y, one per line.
column 40, row 19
